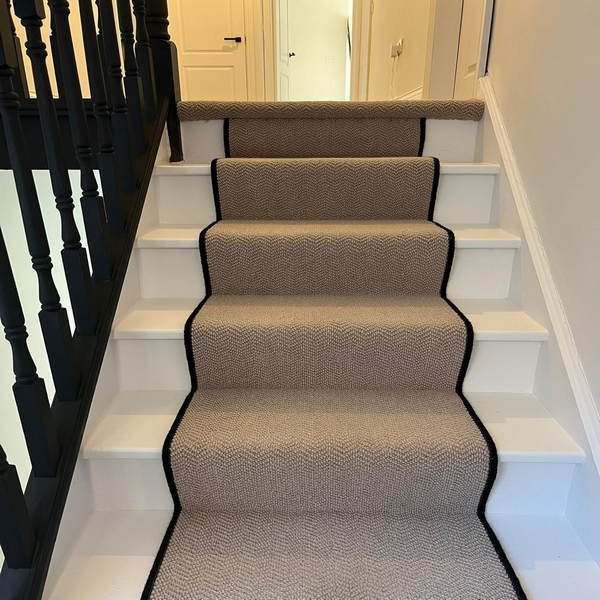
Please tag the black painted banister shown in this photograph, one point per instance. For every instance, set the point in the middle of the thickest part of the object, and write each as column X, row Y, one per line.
column 120, row 118
column 16, row 529
column 108, row 163
column 75, row 260
column 133, row 82
column 93, row 207
column 29, row 389
column 83, row 134
column 53, row 317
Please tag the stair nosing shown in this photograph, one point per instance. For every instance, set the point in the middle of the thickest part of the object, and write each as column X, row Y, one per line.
column 504, row 241
column 446, row 168
column 123, row 331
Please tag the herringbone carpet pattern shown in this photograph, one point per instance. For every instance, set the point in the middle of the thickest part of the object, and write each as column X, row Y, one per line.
column 326, row 451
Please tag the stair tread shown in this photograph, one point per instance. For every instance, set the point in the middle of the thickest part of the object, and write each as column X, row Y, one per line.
column 136, row 423
column 116, row 549
column 186, row 235
column 446, row 168
column 164, row 318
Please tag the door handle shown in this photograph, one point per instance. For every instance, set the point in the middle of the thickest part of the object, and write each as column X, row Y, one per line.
column 291, row 54
column 237, row 39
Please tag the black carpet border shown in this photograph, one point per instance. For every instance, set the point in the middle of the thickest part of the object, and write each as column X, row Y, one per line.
column 166, row 454
column 493, row 452
column 423, row 128
column 189, row 354
column 226, row 139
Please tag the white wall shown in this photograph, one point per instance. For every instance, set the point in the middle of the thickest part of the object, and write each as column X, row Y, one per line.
column 390, row 21
column 544, row 63
column 317, row 30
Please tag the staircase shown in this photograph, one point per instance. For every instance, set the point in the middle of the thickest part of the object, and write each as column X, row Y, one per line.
column 122, row 450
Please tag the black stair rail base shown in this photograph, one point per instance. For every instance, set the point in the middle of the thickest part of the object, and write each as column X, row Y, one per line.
column 16, row 529
column 166, row 69
column 29, row 390
column 75, row 261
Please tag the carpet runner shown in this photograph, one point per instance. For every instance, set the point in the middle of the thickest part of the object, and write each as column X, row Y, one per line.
column 326, row 451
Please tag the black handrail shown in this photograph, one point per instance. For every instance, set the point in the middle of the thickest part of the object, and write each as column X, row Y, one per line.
column 129, row 128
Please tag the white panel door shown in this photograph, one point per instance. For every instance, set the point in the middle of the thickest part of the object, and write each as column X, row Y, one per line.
column 473, row 44
column 211, row 67
column 283, row 50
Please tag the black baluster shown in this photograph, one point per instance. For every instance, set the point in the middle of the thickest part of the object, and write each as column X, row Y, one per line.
column 17, row 536
column 74, row 256
column 120, row 118
column 108, row 162
column 166, row 69
column 29, row 389
column 53, row 317
column 19, row 78
column 144, row 58
column 56, row 59
column 133, row 82
column 91, row 202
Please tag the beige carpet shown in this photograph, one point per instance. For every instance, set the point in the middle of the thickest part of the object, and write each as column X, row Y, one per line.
column 326, row 451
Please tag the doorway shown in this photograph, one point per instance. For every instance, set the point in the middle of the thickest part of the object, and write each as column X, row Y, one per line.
column 313, row 46
column 330, row 49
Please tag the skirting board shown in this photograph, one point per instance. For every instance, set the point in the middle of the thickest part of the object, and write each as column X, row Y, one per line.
column 570, row 356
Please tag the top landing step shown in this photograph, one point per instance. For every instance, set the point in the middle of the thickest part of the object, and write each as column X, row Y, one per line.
column 463, row 110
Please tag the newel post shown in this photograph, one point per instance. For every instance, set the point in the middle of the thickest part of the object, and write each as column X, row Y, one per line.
column 166, row 69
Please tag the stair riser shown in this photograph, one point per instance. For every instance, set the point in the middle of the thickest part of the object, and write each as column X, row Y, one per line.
column 160, row 364
column 450, row 141
column 139, row 484
column 177, row 273
column 184, row 198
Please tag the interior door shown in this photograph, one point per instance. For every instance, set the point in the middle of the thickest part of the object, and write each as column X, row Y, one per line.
column 283, row 50
column 473, row 46
column 211, row 67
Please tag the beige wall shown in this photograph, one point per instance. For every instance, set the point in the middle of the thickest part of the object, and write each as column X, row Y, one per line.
column 318, row 29
column 544, row 64
column 392, row 20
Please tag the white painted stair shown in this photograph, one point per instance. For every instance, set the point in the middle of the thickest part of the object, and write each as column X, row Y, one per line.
column 122, row 451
